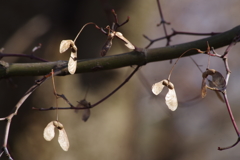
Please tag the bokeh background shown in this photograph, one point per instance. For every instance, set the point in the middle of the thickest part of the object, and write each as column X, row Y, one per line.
column 133, row 123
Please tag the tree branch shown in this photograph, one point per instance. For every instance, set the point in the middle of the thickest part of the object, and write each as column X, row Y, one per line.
column 136, row 57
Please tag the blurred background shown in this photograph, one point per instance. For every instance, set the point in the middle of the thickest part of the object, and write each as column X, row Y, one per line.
column 133, row 123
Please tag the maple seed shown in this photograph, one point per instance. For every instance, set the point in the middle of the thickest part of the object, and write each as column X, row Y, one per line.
column 170, row 85
column 58, row 125
column 171, row 97
column 217, row 83
column 108, row 44
column 72, row 63
column 165, row 82
column 208, row 72
column 86, row 112
column 49, row 134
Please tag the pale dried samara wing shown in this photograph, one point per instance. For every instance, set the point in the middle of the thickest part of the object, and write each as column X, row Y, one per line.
column 63, row 139
column 72, row 63
column 157, row 87
column 127, row 43
column 65, row 45
column 49, row 132
column 171, row 99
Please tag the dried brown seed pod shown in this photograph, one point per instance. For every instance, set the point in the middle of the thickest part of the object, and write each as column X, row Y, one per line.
column 208, row 72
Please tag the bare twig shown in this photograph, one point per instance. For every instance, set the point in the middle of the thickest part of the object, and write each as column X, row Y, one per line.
column 163, row 22
column 177, row 33
column 115, row 90
column 198, row 50
column 168, row 37
column 225, row 60
column 97, row 103
column 17, row 107
column 30, row 56
column 222, row 85
column 233, row 122
column 116, row 20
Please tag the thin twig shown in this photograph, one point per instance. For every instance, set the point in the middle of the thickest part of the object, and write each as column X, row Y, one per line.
column 233, row 122
column 97, row 103
column 17, row 107
column 163, row 22
column 115, row 90
column 22, row 55
column 116, row 20
column 198, row 50
column 151, row 41
column 55, row 94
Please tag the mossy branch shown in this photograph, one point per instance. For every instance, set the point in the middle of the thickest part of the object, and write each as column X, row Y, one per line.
column 136, row 57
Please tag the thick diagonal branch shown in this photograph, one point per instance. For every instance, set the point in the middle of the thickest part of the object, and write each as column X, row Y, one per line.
column 136, row 57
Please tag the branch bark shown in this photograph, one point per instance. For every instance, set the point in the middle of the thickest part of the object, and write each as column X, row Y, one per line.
column 136, row 57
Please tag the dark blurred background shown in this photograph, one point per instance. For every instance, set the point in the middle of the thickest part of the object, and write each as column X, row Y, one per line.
column 133, row 123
